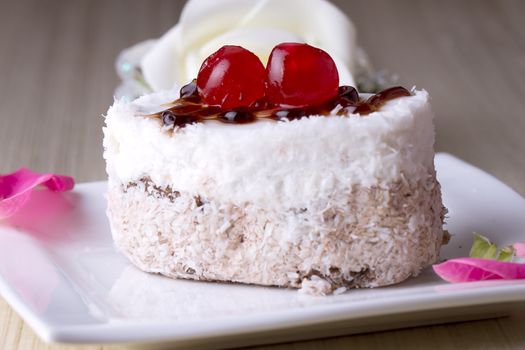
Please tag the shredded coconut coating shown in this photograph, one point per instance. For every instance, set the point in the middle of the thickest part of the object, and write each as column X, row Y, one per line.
column 324, row 203
column 358, row 237
column 268, row 163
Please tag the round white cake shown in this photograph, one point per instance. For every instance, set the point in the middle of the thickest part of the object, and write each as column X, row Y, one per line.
column 322, row 203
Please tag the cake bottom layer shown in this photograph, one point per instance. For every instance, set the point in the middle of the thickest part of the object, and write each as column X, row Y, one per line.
column 364, row 237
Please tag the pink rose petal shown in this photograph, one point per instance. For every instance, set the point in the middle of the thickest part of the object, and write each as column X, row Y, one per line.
column 519, row 249
column 16, row 188
column 475, row 269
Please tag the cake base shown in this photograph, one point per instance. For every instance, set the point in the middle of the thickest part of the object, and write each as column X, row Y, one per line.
column 380, row 236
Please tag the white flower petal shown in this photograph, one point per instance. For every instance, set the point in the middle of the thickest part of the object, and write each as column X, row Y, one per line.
column 160, row 65
column 257, row 25
column 345, row 77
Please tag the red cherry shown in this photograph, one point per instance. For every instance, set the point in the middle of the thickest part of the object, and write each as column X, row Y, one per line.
column 231, row 77
column 300, row 75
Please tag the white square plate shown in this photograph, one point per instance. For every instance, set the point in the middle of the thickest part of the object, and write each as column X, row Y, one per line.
column 60, row 272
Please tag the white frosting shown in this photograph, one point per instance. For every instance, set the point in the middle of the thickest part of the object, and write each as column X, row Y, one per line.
column 258, row 25
column 271, row 163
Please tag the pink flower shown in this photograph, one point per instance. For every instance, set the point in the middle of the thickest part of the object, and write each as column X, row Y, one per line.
column 519, row 249
column 16, row 188
column 476, row 269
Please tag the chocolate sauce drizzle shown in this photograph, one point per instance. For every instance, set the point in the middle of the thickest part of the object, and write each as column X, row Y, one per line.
column 189, row 108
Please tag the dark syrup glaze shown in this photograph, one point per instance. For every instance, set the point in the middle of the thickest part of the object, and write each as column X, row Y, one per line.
column 189, row 109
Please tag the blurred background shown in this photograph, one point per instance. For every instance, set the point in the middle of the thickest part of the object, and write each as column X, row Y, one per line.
column 57, row 74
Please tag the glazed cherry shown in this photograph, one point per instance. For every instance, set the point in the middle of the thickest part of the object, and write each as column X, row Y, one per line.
column 231, row 77
column 299, row 75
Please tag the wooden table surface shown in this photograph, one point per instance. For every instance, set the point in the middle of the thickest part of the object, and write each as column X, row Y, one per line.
column 57, row 78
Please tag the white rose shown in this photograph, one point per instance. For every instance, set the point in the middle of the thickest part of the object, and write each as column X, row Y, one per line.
column 257, row 25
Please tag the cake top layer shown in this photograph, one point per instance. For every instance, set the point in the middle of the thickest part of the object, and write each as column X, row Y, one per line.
column 272, row 163
column 233, row 86
column 189, row 108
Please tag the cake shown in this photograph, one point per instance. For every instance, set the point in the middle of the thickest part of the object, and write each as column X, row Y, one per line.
column 325, row 196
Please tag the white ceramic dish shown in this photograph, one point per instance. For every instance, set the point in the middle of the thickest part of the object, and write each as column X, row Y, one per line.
column 60, row 272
